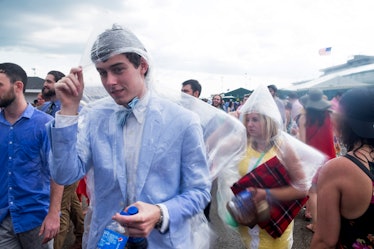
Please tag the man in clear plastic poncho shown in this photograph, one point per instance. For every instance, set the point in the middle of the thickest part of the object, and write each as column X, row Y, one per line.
column 138, row 148
column 276, row 167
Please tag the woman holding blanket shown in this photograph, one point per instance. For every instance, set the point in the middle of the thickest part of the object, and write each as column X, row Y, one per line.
column 276, row 168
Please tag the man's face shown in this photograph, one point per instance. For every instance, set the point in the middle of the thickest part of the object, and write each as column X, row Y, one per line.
column 49, row 86
column 121, row 79
column 216, row 101
column 7, row 94
column 188, row 90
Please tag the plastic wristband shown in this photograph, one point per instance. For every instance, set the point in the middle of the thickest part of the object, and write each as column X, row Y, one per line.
column 268, row 194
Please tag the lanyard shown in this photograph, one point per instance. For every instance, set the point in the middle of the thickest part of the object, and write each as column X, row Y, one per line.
column 259, row 160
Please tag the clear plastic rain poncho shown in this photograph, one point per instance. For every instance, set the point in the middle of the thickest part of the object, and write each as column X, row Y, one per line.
column 224, row 135
column 305, row 166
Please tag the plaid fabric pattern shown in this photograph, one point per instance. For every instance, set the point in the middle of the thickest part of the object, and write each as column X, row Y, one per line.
column 272, row 174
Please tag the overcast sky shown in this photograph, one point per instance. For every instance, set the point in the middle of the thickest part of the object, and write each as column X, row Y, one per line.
column 223, row 44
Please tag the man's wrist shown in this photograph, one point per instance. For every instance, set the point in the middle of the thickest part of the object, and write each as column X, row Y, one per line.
column 160, row 221
column 69, row 110
column 163, row 223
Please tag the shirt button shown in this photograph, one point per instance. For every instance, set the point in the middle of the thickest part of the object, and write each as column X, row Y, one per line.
column 10, row 158
column 9, row 173
column 10, row 142
column 11, row 203
column 10, row 188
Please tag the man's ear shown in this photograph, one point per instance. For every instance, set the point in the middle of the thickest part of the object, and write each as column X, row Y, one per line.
column 143, row 66
column 19, row 85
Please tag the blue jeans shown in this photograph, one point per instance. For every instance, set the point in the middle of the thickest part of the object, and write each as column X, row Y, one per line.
column 25, row 240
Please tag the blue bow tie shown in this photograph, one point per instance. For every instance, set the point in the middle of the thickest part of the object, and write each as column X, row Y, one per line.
column 123, row 114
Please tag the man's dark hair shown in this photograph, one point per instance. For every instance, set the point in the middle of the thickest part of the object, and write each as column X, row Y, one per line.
column 195, row 85
column 135, row 60
column 57, row 74
column 273, row 87
column 14, row 73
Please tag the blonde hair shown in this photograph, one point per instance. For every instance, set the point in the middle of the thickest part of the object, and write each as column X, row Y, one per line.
column 269, row 128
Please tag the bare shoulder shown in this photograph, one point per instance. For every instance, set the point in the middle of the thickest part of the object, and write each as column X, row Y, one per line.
column 336, row 166
column 342, row 175
column 341, row 172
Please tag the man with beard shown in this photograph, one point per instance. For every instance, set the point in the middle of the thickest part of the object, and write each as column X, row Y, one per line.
column 29, row 200
column 48, row 92
column 217, row 101
column 71, row 208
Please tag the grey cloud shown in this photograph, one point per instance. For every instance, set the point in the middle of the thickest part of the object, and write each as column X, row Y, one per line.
column 22, row 19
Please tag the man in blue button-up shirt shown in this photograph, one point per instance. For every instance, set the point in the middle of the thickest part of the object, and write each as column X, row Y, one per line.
column 29, row 201
column 48, row 91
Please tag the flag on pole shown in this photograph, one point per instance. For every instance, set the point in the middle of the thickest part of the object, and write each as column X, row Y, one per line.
column 325, row 51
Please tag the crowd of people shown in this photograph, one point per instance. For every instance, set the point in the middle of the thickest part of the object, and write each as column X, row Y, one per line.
column 270, row 158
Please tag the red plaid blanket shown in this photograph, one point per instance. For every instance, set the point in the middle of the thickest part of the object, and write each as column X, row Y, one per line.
column 272, row 174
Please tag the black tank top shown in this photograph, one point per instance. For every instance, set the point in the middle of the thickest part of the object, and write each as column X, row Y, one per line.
column 358, row 233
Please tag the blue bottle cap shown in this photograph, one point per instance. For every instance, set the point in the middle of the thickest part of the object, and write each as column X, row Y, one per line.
column 130, row 211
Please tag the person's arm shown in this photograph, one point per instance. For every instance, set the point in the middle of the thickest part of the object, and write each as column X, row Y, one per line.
column 51, row 224
column 301, row 126
column 328, row 209
column 66, row 167
column 288, row 193
column 292, row 163
column 69, row 91
column 297, row 189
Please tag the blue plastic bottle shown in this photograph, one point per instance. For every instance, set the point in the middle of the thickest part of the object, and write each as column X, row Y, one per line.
column 135, row 243
column 116, row 236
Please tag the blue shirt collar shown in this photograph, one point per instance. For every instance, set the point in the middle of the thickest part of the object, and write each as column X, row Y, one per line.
column 27, row 113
